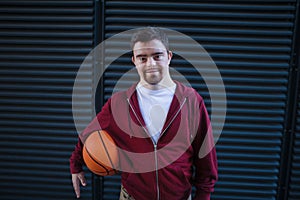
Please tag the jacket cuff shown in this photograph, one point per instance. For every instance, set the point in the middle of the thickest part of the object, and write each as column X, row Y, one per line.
column 200, row 195
column 75, row 167
column 76, row 171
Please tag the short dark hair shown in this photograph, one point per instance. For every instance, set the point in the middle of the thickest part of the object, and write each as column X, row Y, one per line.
column 150, row 33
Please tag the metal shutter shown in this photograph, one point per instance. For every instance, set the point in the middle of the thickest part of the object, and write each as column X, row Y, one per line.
column 250, row 41
column 295, row 175
column 42, row 45
column 294, row 185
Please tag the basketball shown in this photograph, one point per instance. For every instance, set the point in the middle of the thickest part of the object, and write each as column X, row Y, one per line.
column 100, row 153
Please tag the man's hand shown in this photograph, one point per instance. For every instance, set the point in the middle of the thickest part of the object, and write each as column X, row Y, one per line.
column 76, row 180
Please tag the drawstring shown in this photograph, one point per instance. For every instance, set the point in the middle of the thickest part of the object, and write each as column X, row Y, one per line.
column 129, row 119
column 189, row 120
column 136, row 116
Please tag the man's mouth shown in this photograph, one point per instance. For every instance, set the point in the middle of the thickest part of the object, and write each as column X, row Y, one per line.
column 152, row 70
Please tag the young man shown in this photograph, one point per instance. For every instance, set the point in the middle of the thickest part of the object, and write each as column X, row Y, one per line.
column 160, row 125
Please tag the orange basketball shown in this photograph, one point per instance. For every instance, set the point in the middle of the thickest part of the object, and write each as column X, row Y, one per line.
column 100, row 153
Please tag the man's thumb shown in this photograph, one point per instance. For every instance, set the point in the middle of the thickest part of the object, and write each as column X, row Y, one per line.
column 82, row 180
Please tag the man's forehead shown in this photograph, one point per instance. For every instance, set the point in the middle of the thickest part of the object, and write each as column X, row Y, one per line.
column 149, row 45
column 149, row 49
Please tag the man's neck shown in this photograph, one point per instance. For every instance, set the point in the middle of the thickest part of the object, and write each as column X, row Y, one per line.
column 165, row 83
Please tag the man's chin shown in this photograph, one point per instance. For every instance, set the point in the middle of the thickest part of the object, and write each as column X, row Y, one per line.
column 153, row 81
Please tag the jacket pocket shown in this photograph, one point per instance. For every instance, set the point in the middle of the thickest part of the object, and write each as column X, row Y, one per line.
column 176, row 184
column 140, row 185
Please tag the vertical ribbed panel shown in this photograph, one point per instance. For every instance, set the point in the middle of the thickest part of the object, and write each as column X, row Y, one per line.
column 42, row 44
column 250, row 42
column 294, row 185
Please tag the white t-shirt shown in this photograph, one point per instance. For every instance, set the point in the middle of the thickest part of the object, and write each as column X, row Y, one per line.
column 154, row 106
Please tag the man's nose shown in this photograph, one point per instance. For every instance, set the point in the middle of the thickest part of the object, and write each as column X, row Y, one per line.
column 150, row 61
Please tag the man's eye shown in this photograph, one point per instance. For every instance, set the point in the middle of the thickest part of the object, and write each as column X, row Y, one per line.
column 158, row 57
column 142, row 59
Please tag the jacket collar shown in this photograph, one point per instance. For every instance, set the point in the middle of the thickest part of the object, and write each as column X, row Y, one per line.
column 181, row 92
column 179, row 99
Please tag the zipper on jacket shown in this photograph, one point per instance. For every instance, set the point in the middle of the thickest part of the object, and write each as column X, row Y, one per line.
column 154, row 143
column 156, row 170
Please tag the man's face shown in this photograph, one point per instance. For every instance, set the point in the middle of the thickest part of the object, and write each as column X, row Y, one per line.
column 152, row 61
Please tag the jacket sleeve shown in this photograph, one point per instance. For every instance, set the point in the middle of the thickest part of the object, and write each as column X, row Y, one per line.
column 76, row 159
column 205, row 159
column 101, row 121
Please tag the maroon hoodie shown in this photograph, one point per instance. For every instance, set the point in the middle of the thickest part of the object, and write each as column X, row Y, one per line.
column 183, row 156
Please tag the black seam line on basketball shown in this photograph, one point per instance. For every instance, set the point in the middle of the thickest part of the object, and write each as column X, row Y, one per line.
column 100, row 135
column 91, row 156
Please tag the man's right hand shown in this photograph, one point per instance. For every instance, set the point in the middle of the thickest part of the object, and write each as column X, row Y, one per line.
column 78, row 179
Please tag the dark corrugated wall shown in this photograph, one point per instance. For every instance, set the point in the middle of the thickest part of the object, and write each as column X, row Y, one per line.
column 42, row 45
column 293, row 169
column 294, row 186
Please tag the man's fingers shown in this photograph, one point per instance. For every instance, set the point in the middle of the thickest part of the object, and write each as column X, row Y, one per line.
column 82, row 179
column 76, row 180
column 76, row 185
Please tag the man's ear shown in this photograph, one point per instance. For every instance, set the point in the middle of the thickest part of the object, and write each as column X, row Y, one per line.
column 133, row 60
column 170, row 55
